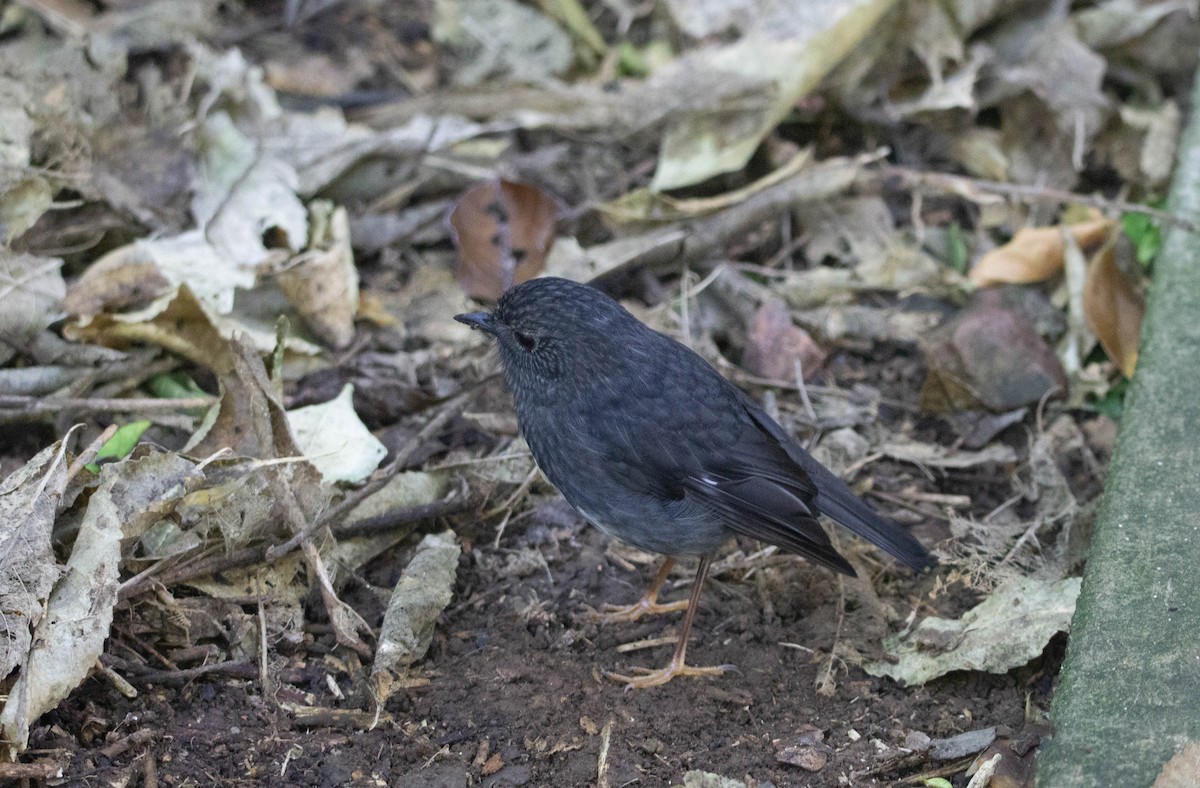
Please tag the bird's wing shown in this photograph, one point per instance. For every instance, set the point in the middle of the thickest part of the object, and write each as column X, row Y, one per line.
column 760, row 509
column 750, row 482
column 836, row 500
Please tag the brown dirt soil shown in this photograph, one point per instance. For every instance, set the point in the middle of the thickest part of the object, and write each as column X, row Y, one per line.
column 515, row 696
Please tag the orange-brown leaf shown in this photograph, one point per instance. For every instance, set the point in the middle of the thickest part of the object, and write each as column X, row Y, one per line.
column 1035, row 254
column 503, row 231
column 1114, row 308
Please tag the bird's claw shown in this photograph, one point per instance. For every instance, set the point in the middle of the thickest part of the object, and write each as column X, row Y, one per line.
column 654, row 678
column 612, row 614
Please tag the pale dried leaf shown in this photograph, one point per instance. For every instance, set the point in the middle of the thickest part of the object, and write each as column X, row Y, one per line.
column 322, row 146
column 29, row 501
column 906, row 324
column 1111, row 24
column 322, row 282
column 501, row 39
column 31, row 290
column 305, row 73
column 417, row 601
column 22, row 204
column 157, row 25
column 700, row 779
column 1161, row 129
column 403, row 491
column 17, row 125
column 1077, row 343
column 69, row 640
column 25, row 381
column 752, row 83
column 282, row 581
column 1045, row 57
column 424, row 303
column 954, row 747
column 127, row 277
column 235, row 503
column 243, row 196
column 183, row 325
column 335, row 440
column 647, row 206
column 936, row 456
column 1009, row 628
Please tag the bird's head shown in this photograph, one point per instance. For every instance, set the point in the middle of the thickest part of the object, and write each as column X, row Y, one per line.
column 551, row 330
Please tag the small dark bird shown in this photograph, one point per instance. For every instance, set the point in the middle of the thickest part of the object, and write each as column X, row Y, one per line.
column 649, row 443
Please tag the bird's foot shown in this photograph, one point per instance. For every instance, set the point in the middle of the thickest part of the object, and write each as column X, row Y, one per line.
column 612, row 614
column 654, row 678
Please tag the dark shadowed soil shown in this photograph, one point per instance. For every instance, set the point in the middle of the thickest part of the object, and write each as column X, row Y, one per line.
column 514, row 695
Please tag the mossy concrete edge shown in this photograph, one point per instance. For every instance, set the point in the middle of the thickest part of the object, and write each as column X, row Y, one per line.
column 1129, row 694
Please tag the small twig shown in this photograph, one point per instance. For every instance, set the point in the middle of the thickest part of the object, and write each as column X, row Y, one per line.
column 147, row 647
column 602, row 758
column 89, row 454
column 1007, row 504
column 666, row 248
column 808, row 406
column 795, row 646
column 346, row 622
column 38, row 405
column 825, row 683
column 509, row 504
column 203, row 566
column 738, row 375
column 790, row 248
column 138, row 738
column 38, row 770
column 352, row 719
column 639, row 645
column 685, row 298
column 116, row 680
column 855, row 467
column 444, row 751
column 264, row 681
column 142, row 674
column 912, row 507
column 939, row 498
column 456, row 503
column 149, row 771
column 960, row 184
column 59, row 457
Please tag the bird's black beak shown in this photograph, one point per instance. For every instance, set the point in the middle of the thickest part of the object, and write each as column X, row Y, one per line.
column 480, row 320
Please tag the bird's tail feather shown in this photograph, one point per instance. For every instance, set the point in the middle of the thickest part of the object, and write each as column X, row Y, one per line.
column 838, row 502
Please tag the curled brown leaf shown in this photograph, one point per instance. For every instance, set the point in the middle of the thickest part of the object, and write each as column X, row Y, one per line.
column 1114, row 308
column 502, row 231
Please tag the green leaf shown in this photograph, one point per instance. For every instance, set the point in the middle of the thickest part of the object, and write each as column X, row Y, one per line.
column 120, row 444
column 175, row 385
column 1112, row 404
column 1145, row 233
column 957, row 247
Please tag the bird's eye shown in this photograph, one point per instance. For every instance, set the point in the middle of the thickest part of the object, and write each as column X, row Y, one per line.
column 525, row 341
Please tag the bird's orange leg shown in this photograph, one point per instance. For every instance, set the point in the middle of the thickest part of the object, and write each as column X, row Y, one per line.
column 677, row 666
column 648, row 605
